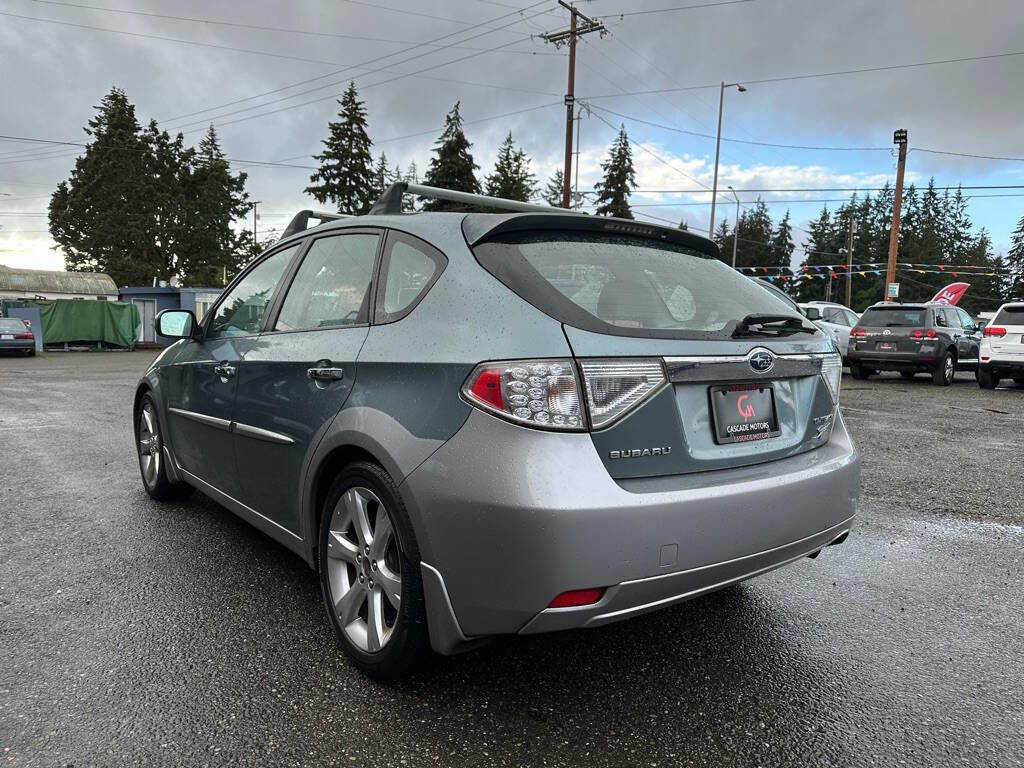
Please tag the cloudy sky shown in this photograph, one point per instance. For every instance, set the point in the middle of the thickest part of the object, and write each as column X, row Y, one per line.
column 267, row 75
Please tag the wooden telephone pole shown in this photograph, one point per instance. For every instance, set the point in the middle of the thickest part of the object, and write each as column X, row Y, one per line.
column 576, row 30
column 898, row 137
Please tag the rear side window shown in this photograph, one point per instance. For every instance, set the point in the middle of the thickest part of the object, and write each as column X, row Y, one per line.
column 892, row 317
column 409, row 267
column 332, row 286
column 624, row 285
column 1010, row 316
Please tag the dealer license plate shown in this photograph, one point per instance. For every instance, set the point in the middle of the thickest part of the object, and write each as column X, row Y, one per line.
column 7, row 336
column 743, row 412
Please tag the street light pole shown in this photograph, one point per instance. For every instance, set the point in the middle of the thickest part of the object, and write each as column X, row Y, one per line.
column 735, row 227
column 718, row 142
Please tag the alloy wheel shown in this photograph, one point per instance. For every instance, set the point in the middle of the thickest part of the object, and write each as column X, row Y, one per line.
column 948, row 368
column 150, row 457
column 364, row 569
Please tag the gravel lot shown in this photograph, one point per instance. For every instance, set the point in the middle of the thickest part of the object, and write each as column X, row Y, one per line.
column 143, row 634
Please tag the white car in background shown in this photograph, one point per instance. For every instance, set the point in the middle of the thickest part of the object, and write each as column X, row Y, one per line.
column 836, row 319
column 1002, row 347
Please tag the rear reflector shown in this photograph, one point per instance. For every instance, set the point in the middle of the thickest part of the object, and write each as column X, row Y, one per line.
column 993, row 331
column 487, row 388
column 577, row 597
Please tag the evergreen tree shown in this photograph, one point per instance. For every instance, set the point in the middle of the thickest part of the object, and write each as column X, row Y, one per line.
column 216, row 198
column 553, row 191
column 512, row 178
column 1014, row 281
column 412, row 176
column 821, row 249
column 723, row 236
column 753, row 233
column 782, row 246
column 102, row 216
column 345, row 177
column 452, row 166
column 169, row 165
column 619, row 180
column 382, row 177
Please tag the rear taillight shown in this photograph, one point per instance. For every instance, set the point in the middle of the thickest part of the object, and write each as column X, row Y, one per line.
column 858, row 333
column 994, row 331
column 615, row 387
column 24, row 336
column 832, row 373
column 920, row 333
column 536, row 393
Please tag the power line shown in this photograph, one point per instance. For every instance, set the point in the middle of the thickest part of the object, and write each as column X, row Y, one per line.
column 264, row 28
column 966, row 154
column 820, row 189
column 809, row 76
column 676, row 8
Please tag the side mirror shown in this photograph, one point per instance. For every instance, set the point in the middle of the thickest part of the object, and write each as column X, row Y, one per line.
column 813, row 313
column 175, row 323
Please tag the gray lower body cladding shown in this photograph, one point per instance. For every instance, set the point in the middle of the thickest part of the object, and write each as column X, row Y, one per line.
column 511, row 517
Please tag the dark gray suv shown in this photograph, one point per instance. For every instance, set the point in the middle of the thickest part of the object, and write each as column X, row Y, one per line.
column 914, row 338
column 476, row 424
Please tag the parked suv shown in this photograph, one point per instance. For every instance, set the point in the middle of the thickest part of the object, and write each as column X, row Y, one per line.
column 914, row 338
column 1002, row 347
column 481, row 424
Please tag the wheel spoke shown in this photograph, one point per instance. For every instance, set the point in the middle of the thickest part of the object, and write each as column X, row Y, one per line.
column 382, row 535
column 147, row 467
column 390, row 584
column 347, row 607
column 148, row 420
column 375, row 621
column 340, row 548
column 356, row 504
column 156, row 466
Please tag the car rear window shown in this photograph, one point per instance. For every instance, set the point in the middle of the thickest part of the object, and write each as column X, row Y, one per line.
column 1010, row 316
column 626, row 286
column 11, row 324
column 893, row 317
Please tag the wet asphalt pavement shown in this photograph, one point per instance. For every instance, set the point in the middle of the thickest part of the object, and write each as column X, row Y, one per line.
column 134, row 633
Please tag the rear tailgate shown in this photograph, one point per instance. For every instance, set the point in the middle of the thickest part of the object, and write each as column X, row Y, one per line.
column 1010, row 345
column 716, row 410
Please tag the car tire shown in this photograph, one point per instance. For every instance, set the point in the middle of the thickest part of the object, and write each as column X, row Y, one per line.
column 361, row 554
column 1018, row 380
column 152, row 460
column 987, row 379
column 30, row 352
column 858, row 371
column 908, row 374
column 943, row 373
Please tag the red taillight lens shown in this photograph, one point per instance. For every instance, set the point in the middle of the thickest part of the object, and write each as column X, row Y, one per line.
column 577, row 597
column 24, row 336
column 536, row 393
column 994, row 331
column 858, row 333
column 920, row 333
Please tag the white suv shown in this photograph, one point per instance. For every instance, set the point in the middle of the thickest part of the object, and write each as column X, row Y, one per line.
column 1002, row 347
column 835, row 319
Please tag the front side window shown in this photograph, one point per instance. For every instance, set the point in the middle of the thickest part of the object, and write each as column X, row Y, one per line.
column 626, row 285
column 966, row 320
column 332, row 286
column 408, row 269
column 241, row 311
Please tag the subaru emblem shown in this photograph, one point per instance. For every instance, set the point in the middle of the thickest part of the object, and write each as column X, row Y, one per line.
column 762, row 361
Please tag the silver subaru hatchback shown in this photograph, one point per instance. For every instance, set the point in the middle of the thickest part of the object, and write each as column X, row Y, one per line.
column 480, row 424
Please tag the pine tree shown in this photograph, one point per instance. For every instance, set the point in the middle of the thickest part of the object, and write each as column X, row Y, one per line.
column 382, row 177
column 782, row 242
column 169, row 165
column 723, row 236
column 102, row 216
column 345, row 176
column 553, row 191
column 412, row 176
column 512, row 178
column 619, row 180
column 452, row 166
column 1014, row 282
column 217, row 198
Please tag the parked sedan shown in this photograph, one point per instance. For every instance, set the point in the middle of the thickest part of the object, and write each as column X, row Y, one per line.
column 914, row 338
column 15, row 336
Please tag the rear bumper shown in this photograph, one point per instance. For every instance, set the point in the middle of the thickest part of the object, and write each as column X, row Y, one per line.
column 1004, row 366
column 508, row 518
column 17, row 344
column 894, row 361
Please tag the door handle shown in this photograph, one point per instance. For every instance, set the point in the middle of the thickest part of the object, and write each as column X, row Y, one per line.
column 224, row 370
column 326, row 374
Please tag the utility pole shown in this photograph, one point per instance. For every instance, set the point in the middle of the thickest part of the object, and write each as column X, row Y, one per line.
column 849, row 259
column 255, row 216
column 899, row 137
column 570, row 35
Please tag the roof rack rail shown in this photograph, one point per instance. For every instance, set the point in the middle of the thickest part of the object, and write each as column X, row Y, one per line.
column 300, row 221
column 391, row 201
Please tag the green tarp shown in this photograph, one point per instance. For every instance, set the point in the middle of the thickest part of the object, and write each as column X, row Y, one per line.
column 111, row 322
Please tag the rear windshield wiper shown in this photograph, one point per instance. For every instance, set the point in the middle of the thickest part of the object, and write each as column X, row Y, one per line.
column 771, row 325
